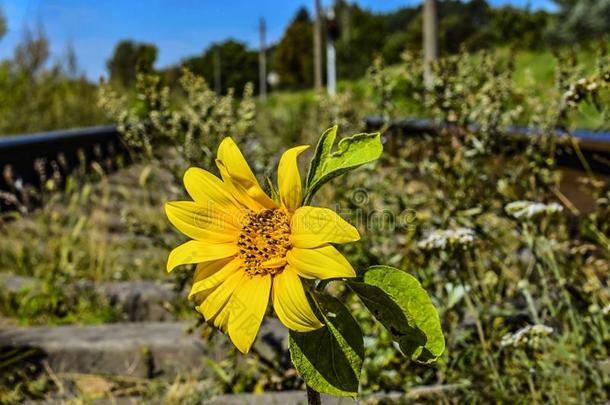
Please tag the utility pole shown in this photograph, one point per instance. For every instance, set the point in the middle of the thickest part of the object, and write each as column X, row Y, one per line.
column 262, row 62
column 317, row 47
column 430, row 39
column 332, row 31
column 217, row 72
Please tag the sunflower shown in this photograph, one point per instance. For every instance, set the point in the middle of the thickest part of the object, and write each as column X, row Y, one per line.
column 248, row 246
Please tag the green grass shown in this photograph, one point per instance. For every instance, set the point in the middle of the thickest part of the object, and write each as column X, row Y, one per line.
column 539, row 68
column 108, row 228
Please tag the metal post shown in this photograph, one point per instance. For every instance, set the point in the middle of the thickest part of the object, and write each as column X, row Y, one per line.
column 262, row 62
column 317, row 47
column 430, row 39
column 331, row 71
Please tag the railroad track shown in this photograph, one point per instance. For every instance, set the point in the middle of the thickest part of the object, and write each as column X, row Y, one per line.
column 595, row 145
column 25, row 159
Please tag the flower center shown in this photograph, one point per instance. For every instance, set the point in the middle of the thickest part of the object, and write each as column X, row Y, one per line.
column 264, row 241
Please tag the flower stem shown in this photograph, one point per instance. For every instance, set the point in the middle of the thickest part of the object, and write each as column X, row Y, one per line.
column 313, row 396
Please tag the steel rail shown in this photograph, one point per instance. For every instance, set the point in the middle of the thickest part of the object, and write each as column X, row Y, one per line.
column 24, row 159
column 595, row 145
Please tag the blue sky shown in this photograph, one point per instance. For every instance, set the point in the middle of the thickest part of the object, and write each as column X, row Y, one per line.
column 179, row 28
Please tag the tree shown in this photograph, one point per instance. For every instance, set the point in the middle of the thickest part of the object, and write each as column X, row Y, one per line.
column 238, row 65
column 465, row 24
column 2, row 24
column 366, row 36
column 293, row 57
column 70, row 63
column 580, row 20
column 520, row 28
column 32, row 52
column 37, row 95
column 128, row 58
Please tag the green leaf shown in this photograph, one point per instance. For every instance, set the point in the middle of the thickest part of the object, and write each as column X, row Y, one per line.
column 351, row 153
column 400, row 303
column 330, row 359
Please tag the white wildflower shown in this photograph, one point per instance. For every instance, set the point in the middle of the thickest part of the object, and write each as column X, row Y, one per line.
column 528, row 336
column 531, row 209
column 441, row 239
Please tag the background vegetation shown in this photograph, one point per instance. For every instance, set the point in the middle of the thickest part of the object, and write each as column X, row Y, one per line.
column 518, row 270
column 60, row 96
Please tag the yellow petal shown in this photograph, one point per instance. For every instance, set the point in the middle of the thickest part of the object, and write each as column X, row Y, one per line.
column 248, row 307
column 274, row 263
column 221, row 320
column 206, row 269
column 216, row 278
column 208, row 190
column 313, row 226
column 201, row 223
column 290, row 302
column 235, row 170
column 212, row 305
column 238, row 192
column 195, row 251
column 321, row 263
column 289, row 179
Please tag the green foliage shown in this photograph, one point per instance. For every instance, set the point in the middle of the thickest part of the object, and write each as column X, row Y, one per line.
column 330, row 358
column 2, row 24
column 128, row 59
column 293, row 56
column 473, row 25
column 32, row 53
column 192, row 127
column 57, row 102
column 383, row 86
column 520, row 28
column 494, row 89
column 364, row 34
column 80, row 227
column 398, row 301
column 238, row 65
column 521, row 300
column 580, row 20
column 351, row 153
column 56, row 96
column 464, row 24
column 90, row 229
column 53, row 302
column 20, row 377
